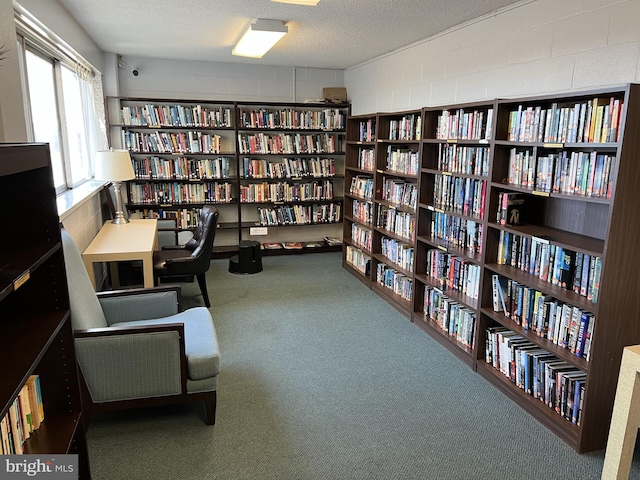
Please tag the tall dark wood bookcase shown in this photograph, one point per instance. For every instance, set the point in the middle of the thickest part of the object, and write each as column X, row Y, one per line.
column 359, row 181
column 455, row 158
column 601, row 223
column 291, row 164
column 394, row 219
column 34, row 305
column 184, row 155
column 312, row 136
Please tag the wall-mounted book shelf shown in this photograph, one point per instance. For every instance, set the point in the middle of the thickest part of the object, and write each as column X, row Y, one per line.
column 524, row 259
column 266, row 166
column 34, row 315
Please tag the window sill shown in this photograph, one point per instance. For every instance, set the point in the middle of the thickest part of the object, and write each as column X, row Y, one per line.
column 72, row 199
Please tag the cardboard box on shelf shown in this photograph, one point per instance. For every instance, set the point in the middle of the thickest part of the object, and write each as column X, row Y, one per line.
column 335, row 94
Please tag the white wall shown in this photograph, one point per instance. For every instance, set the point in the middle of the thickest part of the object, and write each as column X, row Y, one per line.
column 52, row 14
column 224, row 81
column 539, row 47
column 12, row 120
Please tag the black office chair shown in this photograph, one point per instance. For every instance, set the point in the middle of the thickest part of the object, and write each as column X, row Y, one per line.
column 193, row 258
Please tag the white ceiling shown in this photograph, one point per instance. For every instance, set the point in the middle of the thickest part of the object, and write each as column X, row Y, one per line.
column 334, row 34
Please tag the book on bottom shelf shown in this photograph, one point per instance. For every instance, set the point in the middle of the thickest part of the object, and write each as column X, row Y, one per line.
column 24, row 417
column 333, row 241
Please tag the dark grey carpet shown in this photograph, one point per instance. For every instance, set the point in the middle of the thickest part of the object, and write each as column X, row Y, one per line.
column 322, row 379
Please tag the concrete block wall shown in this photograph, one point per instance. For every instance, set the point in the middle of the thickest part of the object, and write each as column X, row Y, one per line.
column 224, row 81
column 535, row 47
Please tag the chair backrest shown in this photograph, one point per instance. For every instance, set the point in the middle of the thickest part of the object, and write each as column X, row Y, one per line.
column 201, row 245
column 86, row 311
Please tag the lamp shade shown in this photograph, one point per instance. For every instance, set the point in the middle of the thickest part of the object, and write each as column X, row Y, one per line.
column 259, row 38
column 113, row 165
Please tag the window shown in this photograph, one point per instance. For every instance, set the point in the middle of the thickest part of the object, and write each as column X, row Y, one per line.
column 59, row 93
column 44, row 112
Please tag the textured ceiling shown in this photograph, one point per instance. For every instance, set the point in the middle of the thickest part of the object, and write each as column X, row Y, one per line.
column 334, row 34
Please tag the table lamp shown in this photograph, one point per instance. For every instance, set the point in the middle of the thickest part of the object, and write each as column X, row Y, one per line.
column 115, row 166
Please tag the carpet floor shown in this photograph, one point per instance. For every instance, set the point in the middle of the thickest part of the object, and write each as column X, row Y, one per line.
column 322, row 379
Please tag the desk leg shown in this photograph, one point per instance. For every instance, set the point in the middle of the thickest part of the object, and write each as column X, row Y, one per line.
column 115, row 275
column 147, row 270
column 88, row 264
column 625, row 419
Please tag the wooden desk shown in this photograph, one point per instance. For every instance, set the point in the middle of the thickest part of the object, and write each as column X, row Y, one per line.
column 626, row 416
column 131, row 241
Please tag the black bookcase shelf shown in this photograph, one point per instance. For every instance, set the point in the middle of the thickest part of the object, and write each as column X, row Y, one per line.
column 237, row 122
column 38, row 338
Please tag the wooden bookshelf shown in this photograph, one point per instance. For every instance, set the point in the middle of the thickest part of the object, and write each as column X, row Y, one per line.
column 578, row 178
column 454, row 178
column 359, row 182
column 292, row 167
column 276, row 166
column 397, row 167
column 38, row 334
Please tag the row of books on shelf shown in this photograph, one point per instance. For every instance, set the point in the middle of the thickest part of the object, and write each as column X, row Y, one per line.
column 456, row 232
column 465, row 125
column 289, row 168
column 362, row 212
column 293, row 245
column 185, row 217
column 576, row 173
column 553, row 381
column 361, row 237
column 453, row 272
column 565, row 325
column 455, row 158
column 397, row 282
column 552, row 263
column 409, row 127
column 179, row 193
column 175, row 116
column 367, row 159
column 362, row 186
column 333, row 241
column 455, row 319
column 403, row 160
column 286, row 192
column 402, row 224
column 462, row 195
column 171, row 142
column 593, row 121
column 288, row 143
column 300, row 214
column 292, row 118
column 400, row 192
column 25, row 415
column 398, row 252
column 367, row 130
column 358, row 260
column 182, row 168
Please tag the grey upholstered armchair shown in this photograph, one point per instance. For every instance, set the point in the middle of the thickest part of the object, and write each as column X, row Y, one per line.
column 135, row 348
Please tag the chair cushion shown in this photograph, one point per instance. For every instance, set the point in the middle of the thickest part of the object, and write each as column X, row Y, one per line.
column 86, row 311
column 201, row 341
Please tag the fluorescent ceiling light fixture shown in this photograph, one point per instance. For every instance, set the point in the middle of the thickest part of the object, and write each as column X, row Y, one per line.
column 259, row 38
column 309, row 3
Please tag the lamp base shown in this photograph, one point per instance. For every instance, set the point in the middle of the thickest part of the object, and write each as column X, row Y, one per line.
column 120, row 219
